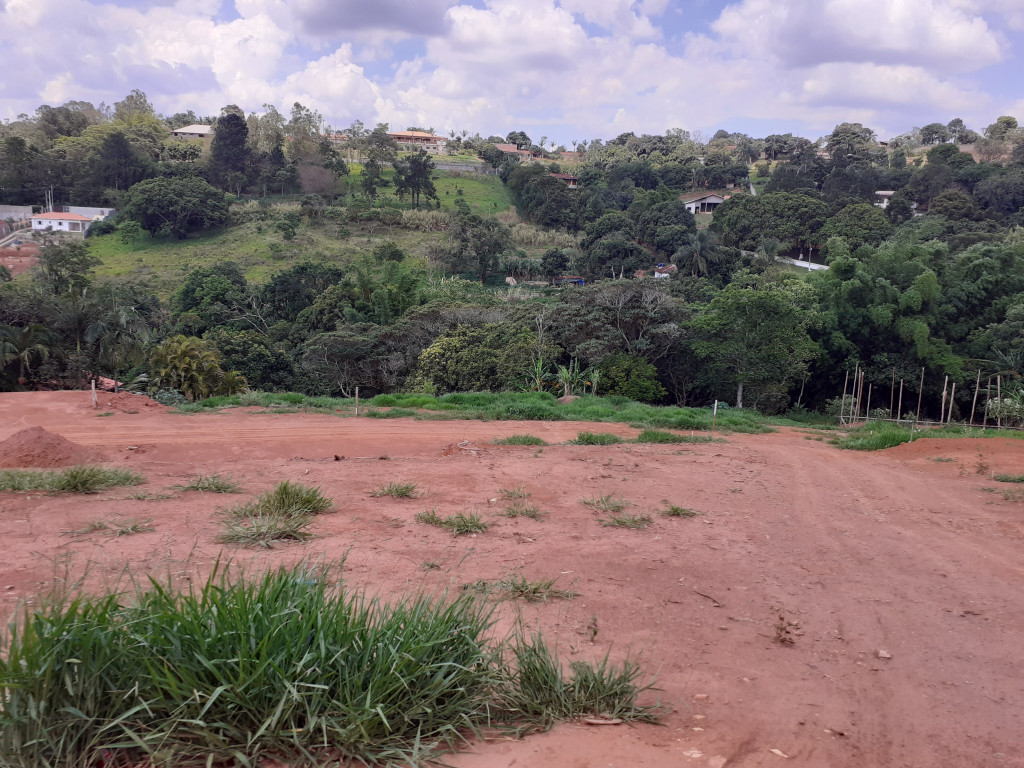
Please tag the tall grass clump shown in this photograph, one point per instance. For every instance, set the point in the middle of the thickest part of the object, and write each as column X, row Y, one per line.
column 233, row 671
column 212, row 484
column 459, row 524
column 519, row 440
column 281, row 514
column 540, row 694
column 79, row 479
column 656, row 436
column 597, row 438
column 874, row 436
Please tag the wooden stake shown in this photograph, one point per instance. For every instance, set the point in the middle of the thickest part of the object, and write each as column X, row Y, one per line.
column 942, row 408
column 988, row 401
column 952, row 392
column 899, row 408
column 867, row 408
column 920, row 394
column 974, row 404
column 842, row 407
column 95, row 402
column 999, row 401
column 860, row 395
column 357, row 401
column 892, row 392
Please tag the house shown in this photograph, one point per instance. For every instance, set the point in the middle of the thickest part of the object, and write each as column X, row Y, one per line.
column 665, row 271
column 61, row 222
column 337, row 139
column 569, row 280
column 413, row 140
column 571, row 181
column 882, row 197
column 194, row 132
column 512, row 149
column 705, row 203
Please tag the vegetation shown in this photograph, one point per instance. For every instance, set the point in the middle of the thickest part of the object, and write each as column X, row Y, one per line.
column 397, row 490
column 401, row 681
column 517, row 504
column 1008, row 478
column 459, row 524
column 281, row 514
column 675, row 511
column 79, row 479
column 519, row 440
column 597, row 438
column 657, row 436
column 606, row 503
column 625, row 520
column 212, row 484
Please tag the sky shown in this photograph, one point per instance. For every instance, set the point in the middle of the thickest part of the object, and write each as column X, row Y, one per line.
column 564, row 69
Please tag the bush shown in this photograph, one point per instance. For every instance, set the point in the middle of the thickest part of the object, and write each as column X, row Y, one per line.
column 597, row 438
column 631, row 377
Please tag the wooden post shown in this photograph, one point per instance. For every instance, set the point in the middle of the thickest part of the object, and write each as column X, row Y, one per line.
column 95, row 402
column 988, row 401
column 974, row 404
column 899, row 408
column 357, row 401
column 942, row 408
column 867, row 408
column 892, row 392
column 999, row 401
column 801, row 395
column 920, row 394
column 842, row 407
column 860, row 394
column 952, row 392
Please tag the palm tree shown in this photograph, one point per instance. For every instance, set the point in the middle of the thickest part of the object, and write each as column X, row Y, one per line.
column 768, row 253
column 701, row 252
column 24, row 346
column 122, row 334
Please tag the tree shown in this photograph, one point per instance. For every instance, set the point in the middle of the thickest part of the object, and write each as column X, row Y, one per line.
column 858, row 223
column 121, row 334
column 630, row 376
column 175, row 206
column 413, row 176
column 755, row 334
column 520, row 139
column 130, row 232
column 935, row 133
column 1000, row 128
column 476, row 243
column 228, row 151
column 191, row 366
column 65, row 267
column 699, row 254
column 380, row 148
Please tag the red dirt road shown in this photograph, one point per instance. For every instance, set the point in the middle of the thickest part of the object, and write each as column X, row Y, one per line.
column 900, row 580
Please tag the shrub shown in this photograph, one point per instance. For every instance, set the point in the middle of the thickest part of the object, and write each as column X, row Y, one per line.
column 79, row 479
column 597, row 438
column 519, row 440
column 631, row 377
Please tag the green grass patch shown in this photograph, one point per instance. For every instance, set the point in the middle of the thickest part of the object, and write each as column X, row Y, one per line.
column 459, row 524
column 517, row 504
column 519, row 440
column 1009, row 478
column 596, row 438
column 518, row 587
column 211, row 484
column 656, row 436
column 878, row 435
column 675, row 511
column 606, row 503
column 626, row 520
column 485, row 195
column 281, row 514
column 397, row 490
column 79, row 479
column 236, row 670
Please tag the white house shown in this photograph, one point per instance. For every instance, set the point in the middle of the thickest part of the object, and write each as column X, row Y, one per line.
column 413, row 140
column 61, row 222
column 194, row 132
column 702, row 203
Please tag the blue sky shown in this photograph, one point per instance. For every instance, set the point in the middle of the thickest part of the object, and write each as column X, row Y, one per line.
column 565, row 69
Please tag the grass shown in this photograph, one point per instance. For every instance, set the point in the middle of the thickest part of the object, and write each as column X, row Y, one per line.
column 397, row 490
column 212, row 484
column 874, row 435
column 460, row 523
column 236, row 670
column 525, row 406
column 673, row 511
column 518, row 504
column 606, row 503
column 1009, row 478
column 625, row 520
column 656, row 436
column 79, row 479
column 281, row 514
column 519, row 440
column 596, row 438
column 518, row 587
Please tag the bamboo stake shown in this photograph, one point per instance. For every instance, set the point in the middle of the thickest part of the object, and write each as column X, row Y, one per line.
column 899, row 408
column 942, row 408
column 951, row 393
column 998, row 401
column 357, row 401
column 974, row 404
column 867, row 408
column 842, row 407
column 860, row 395
column 920, row 394
column 988, row 401
column 892, row 392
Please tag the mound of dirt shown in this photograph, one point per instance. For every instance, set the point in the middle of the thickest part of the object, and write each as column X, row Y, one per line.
column 128, row 402
column 35, row 447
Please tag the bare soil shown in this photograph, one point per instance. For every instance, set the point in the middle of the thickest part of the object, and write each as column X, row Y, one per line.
column 825, row 608
column 21, row 258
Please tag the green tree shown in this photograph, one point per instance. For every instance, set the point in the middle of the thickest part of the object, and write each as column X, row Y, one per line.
column 701, row 252
column 129, row 233
column 176, row 207
column 632, row 377
column 413, row 177
column 754, row 334
column 191, row 366
column 859, row 223
column 228, row 150
column 475, row 243
column 65, row 267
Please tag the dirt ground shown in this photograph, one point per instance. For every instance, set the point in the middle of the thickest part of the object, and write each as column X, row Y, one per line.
column 20, row 259
column 897, row 576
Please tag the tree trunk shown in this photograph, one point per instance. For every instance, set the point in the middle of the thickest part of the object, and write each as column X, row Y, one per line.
column 739, row 395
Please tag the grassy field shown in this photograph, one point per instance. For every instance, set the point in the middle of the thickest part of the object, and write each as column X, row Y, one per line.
column 260, row 250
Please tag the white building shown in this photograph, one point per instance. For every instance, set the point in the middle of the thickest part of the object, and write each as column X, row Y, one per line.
column 194, row 132
column 61, row 222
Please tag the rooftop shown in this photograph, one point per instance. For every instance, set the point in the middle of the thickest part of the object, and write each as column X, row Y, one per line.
column 61, row 216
